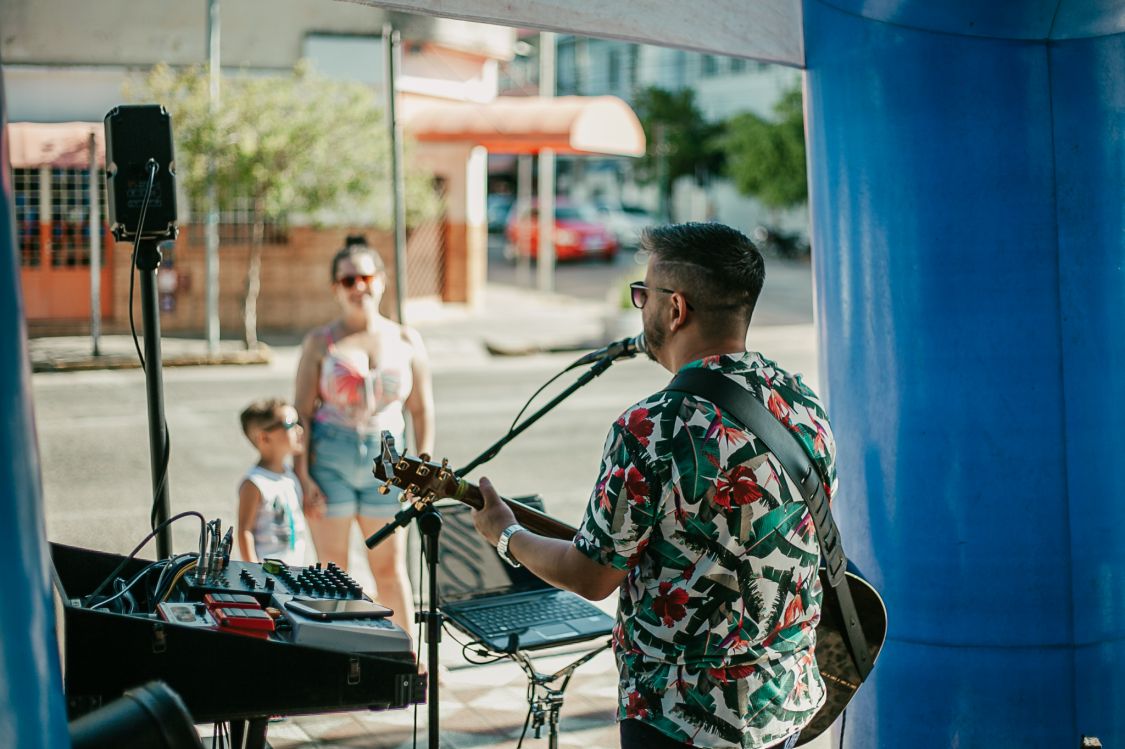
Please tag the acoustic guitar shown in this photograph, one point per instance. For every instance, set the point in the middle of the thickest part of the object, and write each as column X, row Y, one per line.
column 424, row 482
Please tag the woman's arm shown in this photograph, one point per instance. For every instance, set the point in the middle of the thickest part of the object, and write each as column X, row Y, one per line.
column 420, row 403
column 305, row 401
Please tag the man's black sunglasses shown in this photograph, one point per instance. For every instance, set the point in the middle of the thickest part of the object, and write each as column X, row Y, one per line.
column 639, row 294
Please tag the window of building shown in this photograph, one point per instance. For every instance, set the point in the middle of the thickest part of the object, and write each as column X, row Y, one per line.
column 53, row 216
column 710, row 65
column 236, row 223
column 738, row 65
column 613, row 66
column 25, row 184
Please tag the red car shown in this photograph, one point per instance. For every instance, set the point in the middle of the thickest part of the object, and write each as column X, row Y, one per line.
column 578, row 234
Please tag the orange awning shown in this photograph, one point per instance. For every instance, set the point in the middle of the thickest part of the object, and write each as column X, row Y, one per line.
column 57, row 144
column 527, row 124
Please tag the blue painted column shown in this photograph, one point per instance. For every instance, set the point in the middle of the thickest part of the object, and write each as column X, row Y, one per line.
column 32, row 711
column 968, row 212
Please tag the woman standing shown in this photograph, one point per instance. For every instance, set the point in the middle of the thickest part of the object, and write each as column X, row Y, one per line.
column 358, row 376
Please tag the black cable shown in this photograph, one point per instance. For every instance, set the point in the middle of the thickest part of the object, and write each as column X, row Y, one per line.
column 526, row 721
column 496, row 451
column 152, row 167
column 128, row 586
column 163, row 475
column 542, row 387
column 113, row 575
column 843, row 725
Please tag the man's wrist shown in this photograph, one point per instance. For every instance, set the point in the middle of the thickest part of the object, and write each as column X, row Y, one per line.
column 504, row 540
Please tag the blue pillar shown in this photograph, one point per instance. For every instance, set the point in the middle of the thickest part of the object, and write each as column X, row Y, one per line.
column 968, row 207
column 32, row 712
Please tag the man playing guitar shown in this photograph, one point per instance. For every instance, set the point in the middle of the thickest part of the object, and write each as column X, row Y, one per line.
column 695, row 523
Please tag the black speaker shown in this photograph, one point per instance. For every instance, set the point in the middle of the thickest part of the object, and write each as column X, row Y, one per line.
column 138, row 139
column 148, row 717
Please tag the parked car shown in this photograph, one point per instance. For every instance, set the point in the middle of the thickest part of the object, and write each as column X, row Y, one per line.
column 625, row 221
column 499, row 206
column 578, row 234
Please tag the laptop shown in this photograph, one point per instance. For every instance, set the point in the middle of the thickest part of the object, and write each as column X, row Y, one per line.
column 503, row 607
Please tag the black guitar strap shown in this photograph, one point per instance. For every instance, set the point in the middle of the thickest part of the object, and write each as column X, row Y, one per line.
column 739, row 403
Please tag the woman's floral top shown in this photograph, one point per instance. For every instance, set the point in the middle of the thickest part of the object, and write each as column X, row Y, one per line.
column 716, row 620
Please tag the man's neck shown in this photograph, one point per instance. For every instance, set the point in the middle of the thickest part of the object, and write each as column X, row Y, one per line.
column 691, row 351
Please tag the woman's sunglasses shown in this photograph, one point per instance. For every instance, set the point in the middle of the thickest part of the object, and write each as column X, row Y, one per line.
column 639, row 293
column 349, row 282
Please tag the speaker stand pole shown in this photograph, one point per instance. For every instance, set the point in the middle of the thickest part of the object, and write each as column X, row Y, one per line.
column 148, row 260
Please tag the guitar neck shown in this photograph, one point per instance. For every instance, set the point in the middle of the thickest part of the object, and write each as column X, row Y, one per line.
column 530, row 518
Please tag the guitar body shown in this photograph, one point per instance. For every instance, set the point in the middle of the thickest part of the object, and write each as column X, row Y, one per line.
column 833, row 658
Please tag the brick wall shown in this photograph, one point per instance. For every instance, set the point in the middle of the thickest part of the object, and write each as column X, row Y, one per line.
column 295, row 284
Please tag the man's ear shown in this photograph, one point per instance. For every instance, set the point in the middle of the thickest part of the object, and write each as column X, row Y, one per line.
column 678, row 311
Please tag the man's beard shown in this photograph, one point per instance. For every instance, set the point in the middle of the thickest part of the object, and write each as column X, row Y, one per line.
column 654, row 339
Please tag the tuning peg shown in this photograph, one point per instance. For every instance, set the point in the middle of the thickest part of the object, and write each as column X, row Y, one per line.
column 425, row 457
column 385, row 488
column 445, row 464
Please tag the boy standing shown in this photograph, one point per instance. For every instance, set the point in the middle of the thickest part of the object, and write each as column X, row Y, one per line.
column 270, row 518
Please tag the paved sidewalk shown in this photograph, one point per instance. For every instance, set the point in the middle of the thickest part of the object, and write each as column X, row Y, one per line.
column 509, row 321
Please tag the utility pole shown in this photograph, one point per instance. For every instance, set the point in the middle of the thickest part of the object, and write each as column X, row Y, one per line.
column 391, row 62
column 211, row 254
column 661, row 147
column 95, row 227
column 547, row 171
column 523, row 228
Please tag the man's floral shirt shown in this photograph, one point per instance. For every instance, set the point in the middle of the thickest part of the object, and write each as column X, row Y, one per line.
column 716, row 618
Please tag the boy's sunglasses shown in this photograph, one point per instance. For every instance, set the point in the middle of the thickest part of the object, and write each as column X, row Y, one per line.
column 348, row 282
column 285, row 424
column 639, row 293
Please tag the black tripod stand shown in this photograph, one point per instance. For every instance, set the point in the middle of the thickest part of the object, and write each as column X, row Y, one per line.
column 543, row 700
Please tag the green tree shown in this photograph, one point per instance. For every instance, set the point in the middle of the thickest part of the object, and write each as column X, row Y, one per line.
column 298, row 144
column 766, row 159
column 680, row 141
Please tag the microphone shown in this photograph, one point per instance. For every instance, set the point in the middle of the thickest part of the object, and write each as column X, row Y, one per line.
column 626, row 348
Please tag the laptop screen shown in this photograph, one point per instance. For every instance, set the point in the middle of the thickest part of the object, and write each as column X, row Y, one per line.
column 470, row 567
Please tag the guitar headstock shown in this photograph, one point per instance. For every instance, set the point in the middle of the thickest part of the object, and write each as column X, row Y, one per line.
column 420, row 479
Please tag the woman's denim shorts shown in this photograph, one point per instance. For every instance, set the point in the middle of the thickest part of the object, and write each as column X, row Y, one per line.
column 342, row 463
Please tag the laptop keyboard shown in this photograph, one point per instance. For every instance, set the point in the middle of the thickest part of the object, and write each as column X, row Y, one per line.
column 503, row 618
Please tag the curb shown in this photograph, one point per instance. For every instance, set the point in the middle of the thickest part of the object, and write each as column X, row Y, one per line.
column 129, row 361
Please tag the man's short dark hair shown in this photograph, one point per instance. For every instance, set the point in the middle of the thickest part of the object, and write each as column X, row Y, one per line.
column 717, row 268
column 260, row 414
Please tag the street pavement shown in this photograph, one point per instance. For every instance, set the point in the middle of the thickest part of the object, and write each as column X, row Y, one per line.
column 92, row 434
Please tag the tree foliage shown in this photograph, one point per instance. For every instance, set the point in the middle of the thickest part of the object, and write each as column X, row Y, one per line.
column 296, row 144
column 292, row 145
column 766, row 159
column 688, row 139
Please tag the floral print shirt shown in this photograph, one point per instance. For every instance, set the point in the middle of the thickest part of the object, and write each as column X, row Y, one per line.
column 716, row 619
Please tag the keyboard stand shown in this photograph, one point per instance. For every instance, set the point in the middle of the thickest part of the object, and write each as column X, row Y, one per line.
column 544, row 701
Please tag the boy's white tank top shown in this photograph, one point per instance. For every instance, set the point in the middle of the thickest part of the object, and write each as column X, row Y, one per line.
column 279, row 531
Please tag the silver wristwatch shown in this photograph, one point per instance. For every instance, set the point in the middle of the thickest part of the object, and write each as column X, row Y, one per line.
column 502, row 544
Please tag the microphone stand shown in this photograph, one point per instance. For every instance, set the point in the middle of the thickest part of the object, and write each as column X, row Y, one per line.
column 429, row 525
